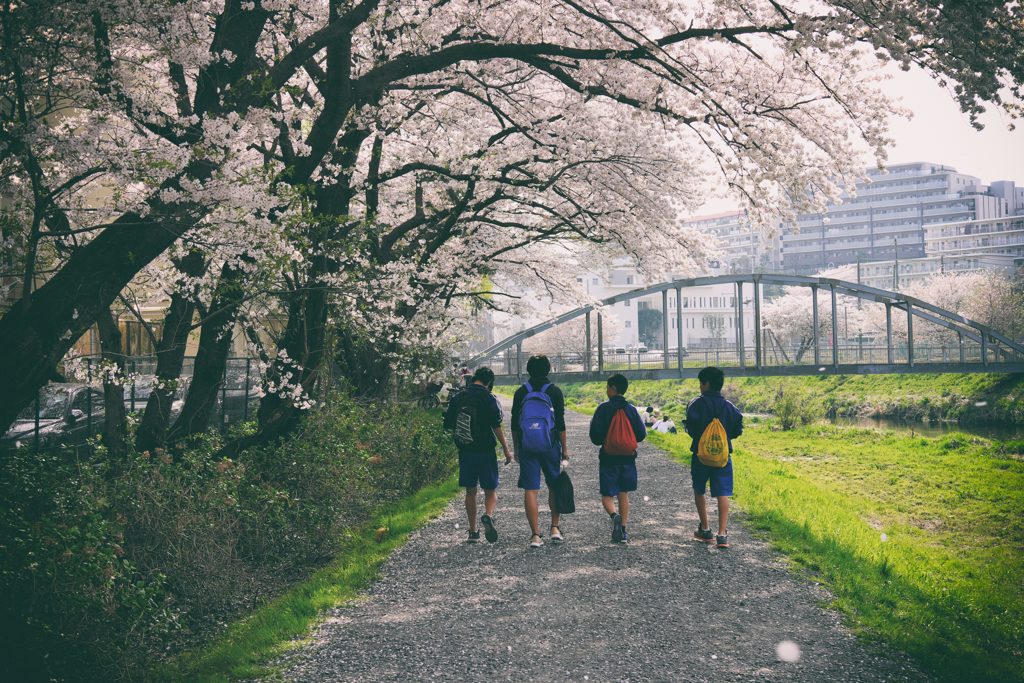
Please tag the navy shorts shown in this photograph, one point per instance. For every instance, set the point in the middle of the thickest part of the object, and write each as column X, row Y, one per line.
column 532, row 464
column 478, row 468
column 720, row 477
column 616, row 479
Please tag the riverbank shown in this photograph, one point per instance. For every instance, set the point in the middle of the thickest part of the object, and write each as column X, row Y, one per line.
column 918, row 539
column 969, row 399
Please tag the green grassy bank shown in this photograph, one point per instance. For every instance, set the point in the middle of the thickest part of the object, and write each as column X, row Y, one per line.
column 970, row 399
column 920, row 540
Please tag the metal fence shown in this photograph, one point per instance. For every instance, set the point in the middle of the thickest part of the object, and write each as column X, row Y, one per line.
column 513, row 363
column 68, row 414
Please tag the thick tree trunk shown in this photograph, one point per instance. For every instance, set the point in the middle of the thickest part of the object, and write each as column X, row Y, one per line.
column 35, row 334
column 304, row 341
column 170, row 356
column 211, row 359
column 114, row 423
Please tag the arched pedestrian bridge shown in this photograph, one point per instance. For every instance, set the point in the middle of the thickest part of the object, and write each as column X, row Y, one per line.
column 756, row 349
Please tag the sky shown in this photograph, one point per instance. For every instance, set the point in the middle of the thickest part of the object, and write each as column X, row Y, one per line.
column 941, row 133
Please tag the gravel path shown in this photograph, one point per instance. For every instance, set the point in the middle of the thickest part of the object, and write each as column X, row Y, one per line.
column 664, row 608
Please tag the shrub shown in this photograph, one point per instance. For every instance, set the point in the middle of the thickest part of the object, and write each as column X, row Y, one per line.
column 795, row 406
column 105, row 571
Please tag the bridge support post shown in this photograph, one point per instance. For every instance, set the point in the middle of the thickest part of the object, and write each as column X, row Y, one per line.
column 816, row 324
column 960, row 343
column 519, row 362
column 600, row 344
column 835, row 329
column 679, row 330
column 757, row 323
column 984, row 345
column 890, row 355
column 587, row 360
column 741, row 337
column 664, row 328
column 910, row 335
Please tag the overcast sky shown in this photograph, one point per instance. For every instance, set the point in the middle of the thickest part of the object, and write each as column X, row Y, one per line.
column 941, row 133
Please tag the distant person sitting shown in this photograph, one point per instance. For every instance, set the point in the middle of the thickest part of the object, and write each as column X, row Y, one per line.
column 665, row 425
column 649, row 417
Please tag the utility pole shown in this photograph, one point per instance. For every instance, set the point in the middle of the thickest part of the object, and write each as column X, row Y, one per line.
column 895, row 265
column 859, row 256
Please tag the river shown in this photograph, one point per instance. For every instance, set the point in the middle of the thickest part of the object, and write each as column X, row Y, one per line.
column 996, row 432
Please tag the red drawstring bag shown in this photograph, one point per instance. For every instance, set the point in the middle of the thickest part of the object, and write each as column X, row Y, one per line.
column 620, row 439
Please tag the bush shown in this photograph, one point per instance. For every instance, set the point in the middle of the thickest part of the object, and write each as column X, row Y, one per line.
column 105, row 571
column 795, row 406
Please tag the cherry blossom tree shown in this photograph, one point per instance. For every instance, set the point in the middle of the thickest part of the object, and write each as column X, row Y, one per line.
column 988, row 297
column 357, row 165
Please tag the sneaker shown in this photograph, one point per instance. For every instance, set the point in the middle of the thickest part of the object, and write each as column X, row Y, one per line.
column 722, row 541
column 474, row 537
column 536, row 541
column 616, row 528
column 556, row 535
column 490, row 533
column 704, row 535
column 625, row 538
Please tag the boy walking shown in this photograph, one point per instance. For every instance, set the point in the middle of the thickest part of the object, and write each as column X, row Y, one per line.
column 538, row 437
column 700, row 414
column 617, row 428
column 474, row 416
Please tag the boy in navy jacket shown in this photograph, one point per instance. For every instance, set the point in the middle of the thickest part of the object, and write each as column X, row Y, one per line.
column 699, row 414
column 617, row 472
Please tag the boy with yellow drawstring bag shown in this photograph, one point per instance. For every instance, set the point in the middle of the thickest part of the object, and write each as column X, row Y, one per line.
column 712, row 422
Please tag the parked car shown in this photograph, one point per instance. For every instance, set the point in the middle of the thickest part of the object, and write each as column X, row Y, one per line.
column 144, row 387
column 68, row 415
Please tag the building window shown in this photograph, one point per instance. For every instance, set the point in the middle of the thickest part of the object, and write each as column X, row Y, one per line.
column 627, row 303
column 629, row 279
column 629, row 324
column 593, row 281
column 579, row 280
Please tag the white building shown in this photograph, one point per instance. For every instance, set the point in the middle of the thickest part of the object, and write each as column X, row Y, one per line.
column 739, row 246
column 708, row 312
column 892, row 214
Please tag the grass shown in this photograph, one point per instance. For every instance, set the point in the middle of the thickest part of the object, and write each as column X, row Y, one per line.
column 920, row 540
column 969, row 398
column 246, row 648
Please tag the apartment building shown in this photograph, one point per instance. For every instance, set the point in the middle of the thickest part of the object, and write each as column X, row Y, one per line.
column 739, row 247
column 892, row 216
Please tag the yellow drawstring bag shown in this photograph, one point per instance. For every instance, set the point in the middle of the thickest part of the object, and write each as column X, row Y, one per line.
column 713, row 447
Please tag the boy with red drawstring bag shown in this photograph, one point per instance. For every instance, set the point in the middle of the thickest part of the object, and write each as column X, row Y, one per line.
column 617, row 428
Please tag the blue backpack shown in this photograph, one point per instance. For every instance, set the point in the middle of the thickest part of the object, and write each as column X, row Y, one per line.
column 537, row 421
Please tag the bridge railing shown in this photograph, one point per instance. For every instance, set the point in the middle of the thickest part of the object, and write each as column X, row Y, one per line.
column 511, row 363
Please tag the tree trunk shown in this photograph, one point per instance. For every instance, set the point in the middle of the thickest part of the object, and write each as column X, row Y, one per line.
column 170, row 355
column 35, row 337
column 114, row 423
column 211, row 359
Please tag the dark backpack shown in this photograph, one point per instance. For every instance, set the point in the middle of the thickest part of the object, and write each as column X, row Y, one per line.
column 468, row 421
